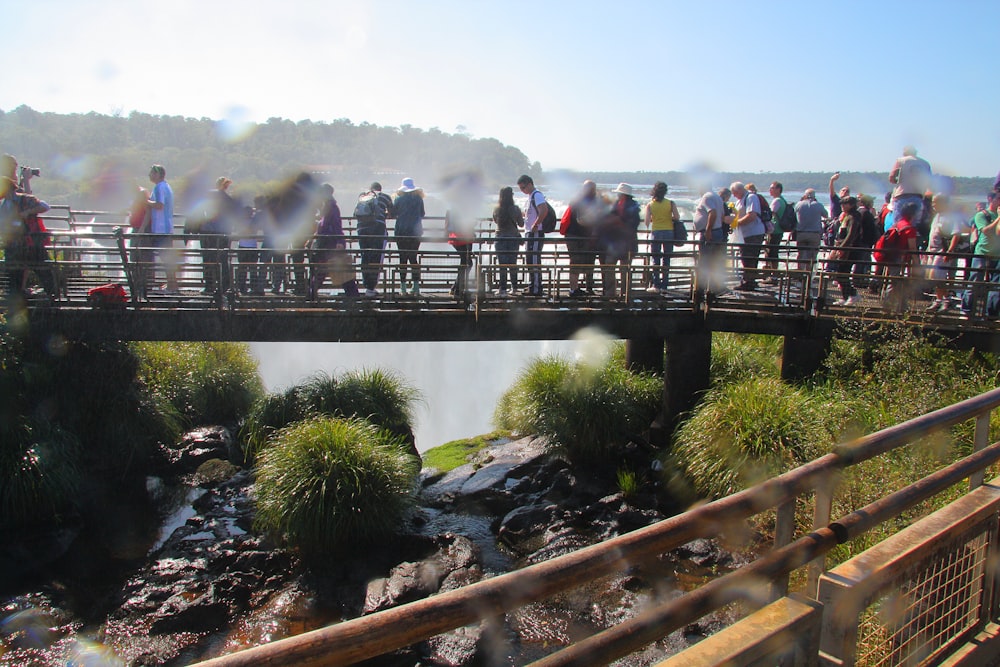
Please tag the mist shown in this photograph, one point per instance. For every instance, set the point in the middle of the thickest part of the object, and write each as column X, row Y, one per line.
column 459, row 382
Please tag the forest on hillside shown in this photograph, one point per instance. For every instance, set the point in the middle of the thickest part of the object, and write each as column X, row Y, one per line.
column 95, row 161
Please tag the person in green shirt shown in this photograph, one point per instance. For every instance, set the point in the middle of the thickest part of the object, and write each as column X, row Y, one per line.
column 985, row 259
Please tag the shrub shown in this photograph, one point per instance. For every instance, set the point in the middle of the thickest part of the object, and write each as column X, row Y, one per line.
column 333, row 484
column 208, row 383
column 585, row 411
column 381, row 397
column 743, row 433
column 38, row 473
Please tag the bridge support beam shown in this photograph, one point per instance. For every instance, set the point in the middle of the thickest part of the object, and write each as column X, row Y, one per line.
column 686, row 375
column 802, row 355
column 644, row 354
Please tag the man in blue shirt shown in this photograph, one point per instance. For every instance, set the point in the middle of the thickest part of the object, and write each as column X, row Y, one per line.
column 161, row 205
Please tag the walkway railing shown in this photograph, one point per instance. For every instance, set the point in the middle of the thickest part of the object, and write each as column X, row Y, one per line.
column 969, row 583
column 86, row 253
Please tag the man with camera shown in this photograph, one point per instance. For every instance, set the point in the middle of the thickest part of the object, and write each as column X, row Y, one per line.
column 24, row 236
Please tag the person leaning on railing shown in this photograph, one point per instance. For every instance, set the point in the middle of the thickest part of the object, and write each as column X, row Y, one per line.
column 985, row 260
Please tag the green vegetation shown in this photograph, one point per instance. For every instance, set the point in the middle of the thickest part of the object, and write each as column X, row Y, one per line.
column 743, row 433
column 333, row 484
column 588, row 412
column 751, row 425
column 73, row 416
column 38, row 473
column 451, row 455
column 206, row 383
column 381, row 397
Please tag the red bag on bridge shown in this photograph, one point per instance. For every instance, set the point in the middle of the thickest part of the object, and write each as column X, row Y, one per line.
column 110, row 295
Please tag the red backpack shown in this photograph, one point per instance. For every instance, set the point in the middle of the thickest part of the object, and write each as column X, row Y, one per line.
column 890, row 246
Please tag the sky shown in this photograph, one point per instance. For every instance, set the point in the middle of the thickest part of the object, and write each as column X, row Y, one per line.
column 633, row 85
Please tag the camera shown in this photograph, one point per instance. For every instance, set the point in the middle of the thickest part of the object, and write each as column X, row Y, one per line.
column 29, row 172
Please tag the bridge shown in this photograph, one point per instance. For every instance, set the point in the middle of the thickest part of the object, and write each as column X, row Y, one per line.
column 667, row 331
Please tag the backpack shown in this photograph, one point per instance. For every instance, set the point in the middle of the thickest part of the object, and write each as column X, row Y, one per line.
column 788, row 220
column 367, row 208
column 109, row 295
column 889, row 246
column 766, row 214
column 549, row 222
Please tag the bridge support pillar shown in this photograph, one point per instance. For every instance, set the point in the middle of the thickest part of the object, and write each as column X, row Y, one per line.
column 802, row 355
column 644, row 354
column 686, row 375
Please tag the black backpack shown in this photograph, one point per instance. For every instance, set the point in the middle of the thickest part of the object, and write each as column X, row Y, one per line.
column 789, row 221
column 550, row 220
column 367, row 208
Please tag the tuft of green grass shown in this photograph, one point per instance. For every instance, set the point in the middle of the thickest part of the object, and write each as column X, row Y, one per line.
column 333, row 485
column 743, row 433
column 736, row 358
column 381, row 397
column 451, row 455
column 628, row 482
column 587, row 412
column 38, row 473
column 207, row 383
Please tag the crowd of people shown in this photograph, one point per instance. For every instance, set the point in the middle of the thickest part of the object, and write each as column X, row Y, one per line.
column 294, row 239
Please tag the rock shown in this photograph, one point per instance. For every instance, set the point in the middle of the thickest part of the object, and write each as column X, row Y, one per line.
column 522, row 528
column 452, row 565
column 188, row 612
column 196, row 447
column 213, row 472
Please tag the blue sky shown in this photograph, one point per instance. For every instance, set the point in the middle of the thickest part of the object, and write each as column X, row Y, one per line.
column 628, row 85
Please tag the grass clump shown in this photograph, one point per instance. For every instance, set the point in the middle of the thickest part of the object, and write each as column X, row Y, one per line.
column 332, row 484
column 207, row 383
column 737, row 358
column 39, row 473
column 743, row 433
column 451, row 455
column 378, row 396
column 588, row 412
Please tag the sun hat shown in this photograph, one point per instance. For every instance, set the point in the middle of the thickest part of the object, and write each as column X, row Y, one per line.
column 624, row 189
column 408, row 185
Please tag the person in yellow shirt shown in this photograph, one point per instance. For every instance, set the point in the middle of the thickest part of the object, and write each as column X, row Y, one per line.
column 661, row 214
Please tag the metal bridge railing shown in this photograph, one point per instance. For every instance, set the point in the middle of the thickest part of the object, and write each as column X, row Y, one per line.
column 752, row 585
column 82, row 255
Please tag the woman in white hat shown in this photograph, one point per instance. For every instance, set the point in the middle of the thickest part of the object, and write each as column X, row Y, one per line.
column 618, row 240
column 409, row 206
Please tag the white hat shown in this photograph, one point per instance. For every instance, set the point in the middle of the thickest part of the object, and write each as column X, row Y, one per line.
column 408, row 185
column 624, row 189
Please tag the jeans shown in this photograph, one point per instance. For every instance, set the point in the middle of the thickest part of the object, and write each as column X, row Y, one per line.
column 507, row 247
column 533, row 256
column 371, row 240
column 662, row 247
column 984, row 268
column 749, row 256
column 408, row 247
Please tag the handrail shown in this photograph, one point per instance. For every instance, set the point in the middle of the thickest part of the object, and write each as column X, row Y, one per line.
column 361, row 638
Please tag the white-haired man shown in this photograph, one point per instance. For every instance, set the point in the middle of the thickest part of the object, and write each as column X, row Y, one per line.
column 748, row 232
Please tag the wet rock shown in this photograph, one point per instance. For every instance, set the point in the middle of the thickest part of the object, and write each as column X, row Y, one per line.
column 191, row 612
column 522, row 529
column 452, row 565
column 213, row 472
column 197, row 447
